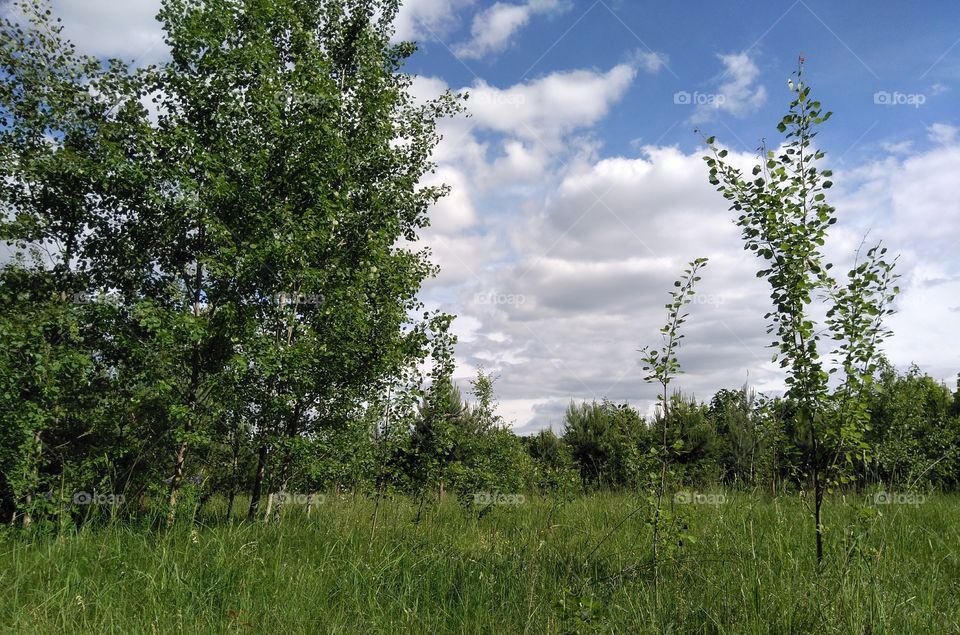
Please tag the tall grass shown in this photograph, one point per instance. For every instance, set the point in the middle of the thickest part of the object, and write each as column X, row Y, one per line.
column 543, row 566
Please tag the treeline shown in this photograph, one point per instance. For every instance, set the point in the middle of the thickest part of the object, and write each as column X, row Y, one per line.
column 742, row 439
column 738, row 439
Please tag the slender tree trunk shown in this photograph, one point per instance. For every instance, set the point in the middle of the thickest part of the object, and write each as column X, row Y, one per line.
column 175, row 481
column 269, row 510
column 230, row 501
column 660, row 493
column 234, row 467
column 181, row 458
column 817, row 508
column 35, row 476
column 257, row 483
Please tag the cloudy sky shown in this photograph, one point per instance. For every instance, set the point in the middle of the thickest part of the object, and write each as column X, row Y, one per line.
column 579, row 192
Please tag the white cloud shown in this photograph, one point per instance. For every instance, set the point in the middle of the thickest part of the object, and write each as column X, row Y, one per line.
column 427, row 19
column 455, row 211
column 943, row 134
column 736, row 93
column 596, row 263
column 494, row 27
column 651, row 61
column 551, row 106
column 600, row 250
column 534, row 122
column 129, row 30
column 899, row 147
column 107, row 28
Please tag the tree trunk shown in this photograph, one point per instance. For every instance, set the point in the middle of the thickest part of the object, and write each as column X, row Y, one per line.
column 194, row 399
column 35, row 468
column 266, row 514
column 660, row 494
column 175, row 481
column 257, row 483
column 230, row 500
column 817, row 508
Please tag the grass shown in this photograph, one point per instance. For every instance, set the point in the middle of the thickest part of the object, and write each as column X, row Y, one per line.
column 530, row 568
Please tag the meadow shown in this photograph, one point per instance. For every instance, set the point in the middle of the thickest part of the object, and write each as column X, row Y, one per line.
column 530, row 565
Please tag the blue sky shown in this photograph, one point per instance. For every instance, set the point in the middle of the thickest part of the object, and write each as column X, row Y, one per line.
column 853, row 50
column 579, row 193
column 576, row 254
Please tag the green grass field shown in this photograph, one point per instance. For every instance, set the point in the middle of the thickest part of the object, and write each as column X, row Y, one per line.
column 544, row 566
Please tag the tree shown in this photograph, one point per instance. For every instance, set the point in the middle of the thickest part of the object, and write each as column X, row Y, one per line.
column 662, row 366
column 71, row 136
column 605, row 441
column 259, row 237
column 913, row 436
column 553, row 464
column 433, row 438
column 784, row 217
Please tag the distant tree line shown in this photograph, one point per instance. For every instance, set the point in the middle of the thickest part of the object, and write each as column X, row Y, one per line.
column 742, row 439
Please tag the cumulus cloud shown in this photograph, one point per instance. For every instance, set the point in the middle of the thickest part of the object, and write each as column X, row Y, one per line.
column 129, row 29
column 943, row 134
column 551, row 106
column 737, row 92
column 531, row 122
column 106, row 28
column 588, row 290
column 564, row 319
column 651, row 61
column 502, row 159
column 494, row 27
column 455, row 211
column 427, row 19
